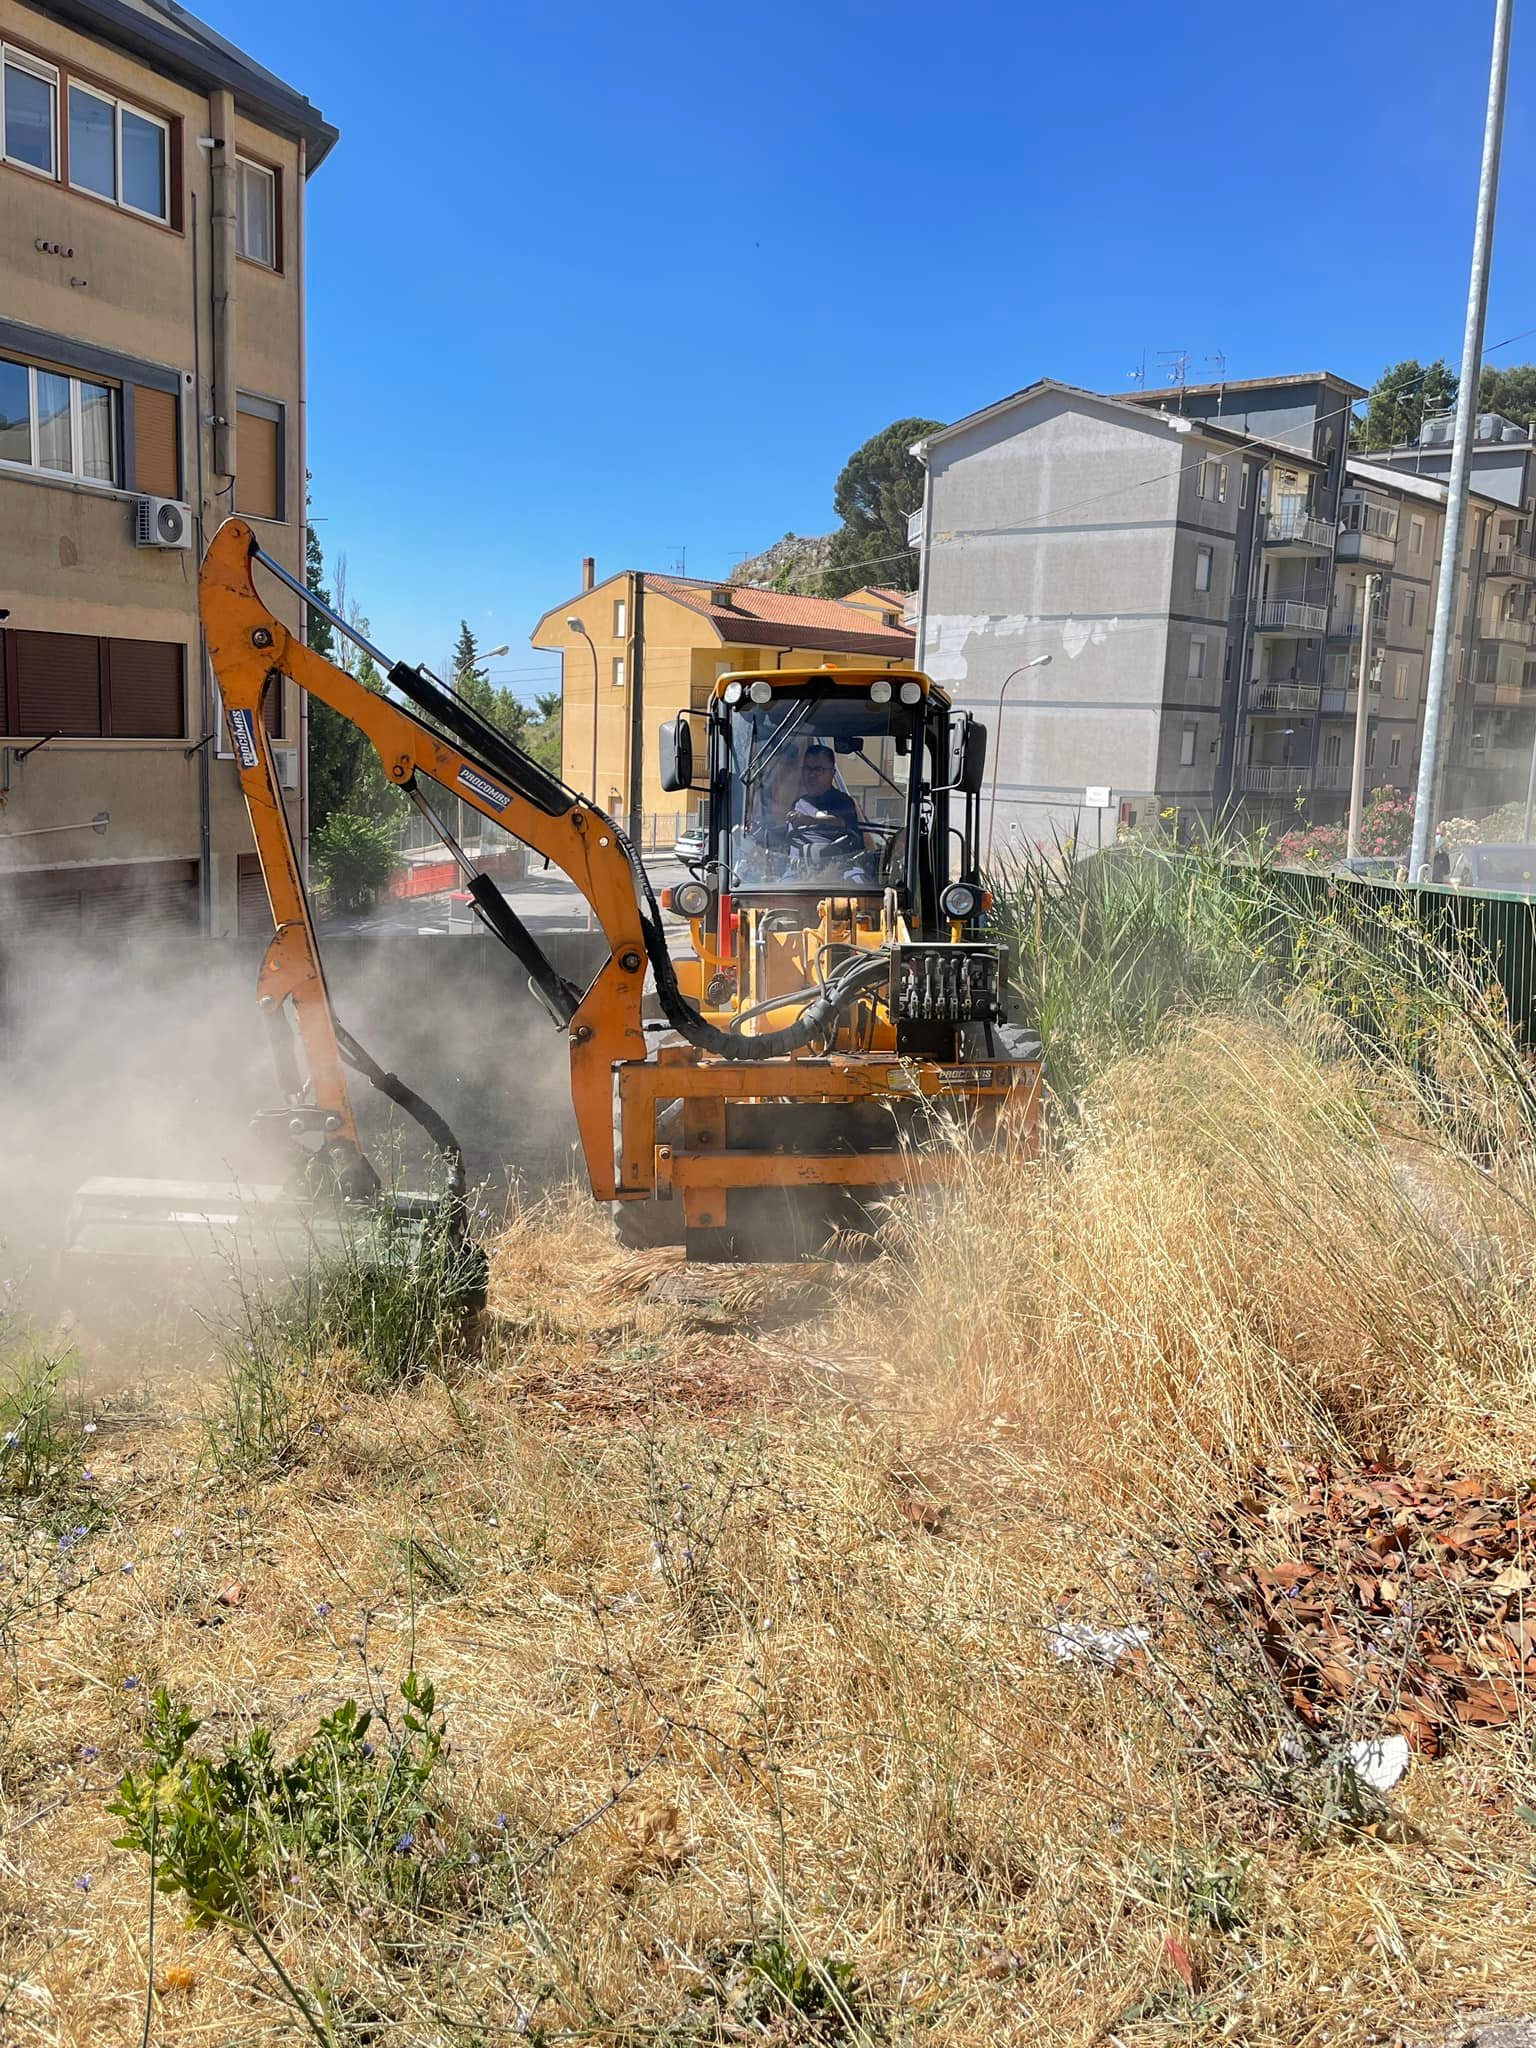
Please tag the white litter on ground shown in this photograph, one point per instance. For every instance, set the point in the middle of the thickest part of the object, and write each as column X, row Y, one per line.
column 1070, row 1640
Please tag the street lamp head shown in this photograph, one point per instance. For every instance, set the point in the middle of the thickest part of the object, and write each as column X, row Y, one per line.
column 491, row 653
column 1039, row 661
column 575, row 624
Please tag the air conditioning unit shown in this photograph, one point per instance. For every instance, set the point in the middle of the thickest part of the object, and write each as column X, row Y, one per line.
column 162, row 523
column 287, row 760
column 1437, row 431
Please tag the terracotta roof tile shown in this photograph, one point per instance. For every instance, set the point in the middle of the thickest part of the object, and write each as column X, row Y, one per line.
column 773, row 618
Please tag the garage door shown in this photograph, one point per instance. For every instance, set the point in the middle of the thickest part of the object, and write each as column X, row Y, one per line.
column 113, row 900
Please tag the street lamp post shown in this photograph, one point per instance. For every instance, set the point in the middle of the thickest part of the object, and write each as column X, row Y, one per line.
column 575, row 626
column 1039, row 661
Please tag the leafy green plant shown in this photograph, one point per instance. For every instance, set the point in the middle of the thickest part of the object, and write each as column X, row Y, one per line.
column 772, row 1987
column 216, row 1830
column 353, row 857
column 40, row 1428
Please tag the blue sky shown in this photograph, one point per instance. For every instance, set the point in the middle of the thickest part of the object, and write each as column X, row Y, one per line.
column 623, row 281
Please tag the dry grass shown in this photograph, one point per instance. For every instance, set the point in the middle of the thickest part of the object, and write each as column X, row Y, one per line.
column 743, row 1638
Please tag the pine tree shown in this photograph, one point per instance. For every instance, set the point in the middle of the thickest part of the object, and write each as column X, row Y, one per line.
column 878, row 489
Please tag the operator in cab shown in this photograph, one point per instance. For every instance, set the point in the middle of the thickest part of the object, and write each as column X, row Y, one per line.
column 819, row 795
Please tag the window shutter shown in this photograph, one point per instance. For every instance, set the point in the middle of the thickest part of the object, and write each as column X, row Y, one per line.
column 272, row 709
column 156, row 463
column 145, row 695
column 256, row 487
column 57, row 682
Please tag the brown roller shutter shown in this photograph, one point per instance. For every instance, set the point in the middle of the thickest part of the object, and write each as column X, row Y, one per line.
column 57, row 682
column 146, row 699
column 253, row 913
column 127, row 899
column 156, row 456
column 256, row 457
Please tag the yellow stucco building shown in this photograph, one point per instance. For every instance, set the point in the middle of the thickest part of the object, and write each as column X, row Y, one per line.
column 692, row 631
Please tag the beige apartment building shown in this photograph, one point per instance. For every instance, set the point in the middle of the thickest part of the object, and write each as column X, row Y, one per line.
column 152, row 184
column 690, row 633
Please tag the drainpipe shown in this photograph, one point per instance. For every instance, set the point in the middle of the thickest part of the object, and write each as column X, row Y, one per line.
column 204, row 682
column 921, row 452
column 221, row 117
column 300, row 200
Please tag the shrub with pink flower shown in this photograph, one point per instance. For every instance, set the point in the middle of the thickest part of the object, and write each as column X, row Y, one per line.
column 1386, row 833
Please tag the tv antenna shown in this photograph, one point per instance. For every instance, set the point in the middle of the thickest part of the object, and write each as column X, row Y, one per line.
column 1177, row 360
column 1220, row 360
column 1138, row 376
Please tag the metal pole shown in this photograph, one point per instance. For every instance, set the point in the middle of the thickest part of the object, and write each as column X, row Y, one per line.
column 1357, row 772
column 1530, row 792
column 637, row 707
column 1461, row 454
column 1040, row 661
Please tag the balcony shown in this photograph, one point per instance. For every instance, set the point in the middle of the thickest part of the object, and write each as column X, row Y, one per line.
column 1333, row 774
column 1260, row 781
column 1358, row 546
column 1264, row 696
column 1300, row 531
column 1343, row 625
column 1514, row 632
column 1512, row 561
column 1286, row 615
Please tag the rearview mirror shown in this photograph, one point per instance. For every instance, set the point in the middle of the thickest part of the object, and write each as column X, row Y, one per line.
column 973, row 758
column 674, row 749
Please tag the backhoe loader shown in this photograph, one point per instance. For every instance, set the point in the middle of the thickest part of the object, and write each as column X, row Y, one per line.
column 841, row 1016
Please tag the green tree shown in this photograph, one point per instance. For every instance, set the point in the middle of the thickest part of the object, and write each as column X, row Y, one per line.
column 345, row 774
column 879, row 488
column 1401, row 396
column 1511, row 391
column 354, row 857
column 317, row 631
column 508, row 713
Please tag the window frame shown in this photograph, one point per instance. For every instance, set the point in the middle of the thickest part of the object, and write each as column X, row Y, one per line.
column 63, row 77
column 617, row 678
column 1195, row 667
column 274, row 177
column 75, row 474
column 1415, row 533
column 1205, row 561
column 620, row 618
column 1188, row 740
column 50, row 74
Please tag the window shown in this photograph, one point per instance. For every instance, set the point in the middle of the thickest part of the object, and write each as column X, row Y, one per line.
column 118, row 153
column 75, row 685
column 620, row 618
column 1416, row 535
column 618, row 672
column 1333, row 749
column 1196, row 656
column 1400, row 680
column 1221, row 484
column 259, row 457
column 1410, row 608
column 256, row 212
column 29, row 113
column 1187, row 747
column 1235, row 568
column 1205, row 478
column 1203, row 560
column 60, row 425
column 1242, row 483
column 1396, row 756
column 1370, row 750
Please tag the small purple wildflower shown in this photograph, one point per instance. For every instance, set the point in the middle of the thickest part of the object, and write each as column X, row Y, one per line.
column 406, row 1843
column 83, row 1881
column 322, row 1608
column 368, row 1749
column 90, row 1429
column 89, row 1753
column 126, row 1566
column 501, row 1823
column 130, row 1685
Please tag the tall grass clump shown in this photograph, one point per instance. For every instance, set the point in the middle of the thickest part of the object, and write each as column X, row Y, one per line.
column 1108, row 946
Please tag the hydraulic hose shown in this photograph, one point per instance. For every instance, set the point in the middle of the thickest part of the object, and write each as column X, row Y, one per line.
column 841, row 991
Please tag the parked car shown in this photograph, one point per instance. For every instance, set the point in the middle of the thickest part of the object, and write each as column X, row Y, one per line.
column 692, row 845
column 1505, row 870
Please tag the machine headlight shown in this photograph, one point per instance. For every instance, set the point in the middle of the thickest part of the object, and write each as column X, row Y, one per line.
column 760, row 692
column 959, row 901
column 733, row 692
column 880, row 693
column 691, row 898
column 911, row 693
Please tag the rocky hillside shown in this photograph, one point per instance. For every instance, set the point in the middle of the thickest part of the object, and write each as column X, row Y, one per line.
column 792, row 563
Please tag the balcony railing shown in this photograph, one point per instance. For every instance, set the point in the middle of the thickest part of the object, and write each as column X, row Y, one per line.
column 1276, row 781
column 1286, row 615
column 1263, row 696
column 1332, row 774
column 1344, row 625
column 1511, row 561
column 1297, row 530
column 1358, row 546
column 1514, row 632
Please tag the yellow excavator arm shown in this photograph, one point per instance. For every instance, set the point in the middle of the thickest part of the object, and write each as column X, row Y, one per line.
column 250, row 649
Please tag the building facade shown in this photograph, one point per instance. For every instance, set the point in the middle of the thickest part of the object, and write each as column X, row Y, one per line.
column 151, row 382
column 690, row 633
column 1196, row 565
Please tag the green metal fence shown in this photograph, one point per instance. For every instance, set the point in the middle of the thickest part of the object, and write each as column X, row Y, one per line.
column 1495, row 933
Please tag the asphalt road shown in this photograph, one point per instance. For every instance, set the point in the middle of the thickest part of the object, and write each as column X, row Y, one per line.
column 545, row 901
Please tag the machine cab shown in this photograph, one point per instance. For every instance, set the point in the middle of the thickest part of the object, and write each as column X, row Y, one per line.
column 834, row 782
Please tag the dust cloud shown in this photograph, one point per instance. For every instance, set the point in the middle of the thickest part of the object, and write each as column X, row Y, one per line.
column 149, row 1060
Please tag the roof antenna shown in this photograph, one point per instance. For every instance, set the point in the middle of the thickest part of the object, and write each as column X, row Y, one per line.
column 1219, row 359
column 1138, row 376
column 1177, row 360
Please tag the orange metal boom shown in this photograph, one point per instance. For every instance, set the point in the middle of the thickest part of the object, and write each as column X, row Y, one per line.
column 249, row 648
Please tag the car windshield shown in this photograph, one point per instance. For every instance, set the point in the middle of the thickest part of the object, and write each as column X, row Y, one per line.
column 819, row 792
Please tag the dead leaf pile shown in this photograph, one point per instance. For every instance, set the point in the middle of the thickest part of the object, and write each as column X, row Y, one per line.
column 1400, row 1593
